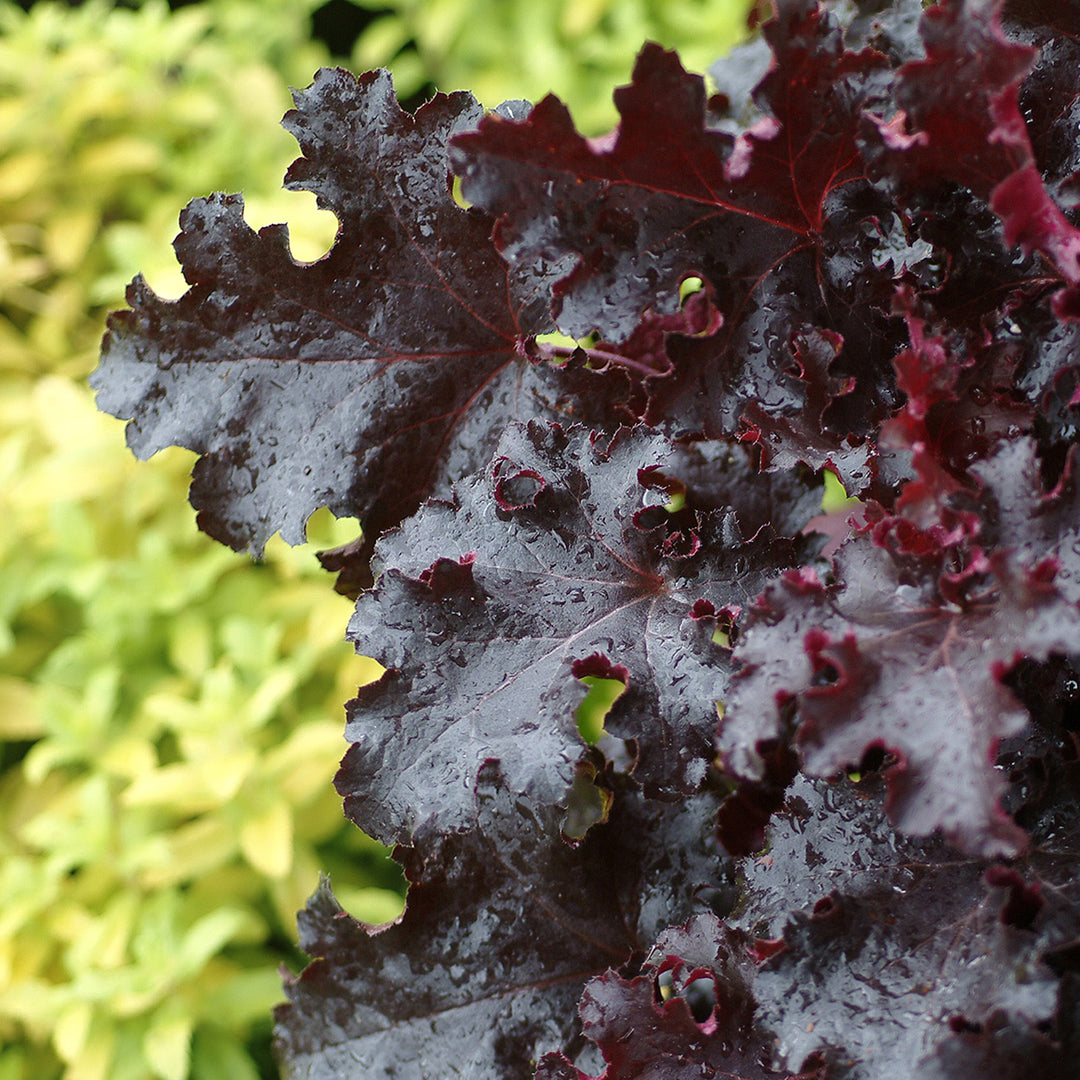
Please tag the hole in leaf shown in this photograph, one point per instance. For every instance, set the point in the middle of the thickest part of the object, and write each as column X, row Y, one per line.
column 325, row 530
column 587, row 804
column 657, row 486
column 592, row 712
column 726, row 633
column 458, row 195
column 681, row 545
column 676, row 502
column 367, row 882
column 827, row 907
column 311, row 231
column 652, row 517
column 826, row 675
column 559, row 347
column 689, row 286
column 520, row 490
column 697, row 988
column 700, row 996
column 874, row 759
column 447, row 577
column 834, row 498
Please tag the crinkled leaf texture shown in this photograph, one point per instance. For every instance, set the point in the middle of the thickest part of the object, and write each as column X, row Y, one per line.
column 347, row 382
column 884, row 953
column 881, row 208
column 558, row 562
column 857, row 953
column 768, row 218
column 483, row 968
column 962, row 104
column 689, row 1014
column 504, row 924
column 891, row 661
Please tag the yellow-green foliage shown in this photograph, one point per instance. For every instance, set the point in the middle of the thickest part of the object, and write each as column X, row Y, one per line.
column 577, row 49
column 182, row 706
column 109, row 123
column 170, row 713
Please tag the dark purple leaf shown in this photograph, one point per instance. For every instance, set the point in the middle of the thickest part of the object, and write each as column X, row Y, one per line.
column 961, row 122
column 348, row 382
column 898, row 654
column 504, row 924
column 959, row 119
column 1005, row 1048
column 689, row 1015
column 769, row 218
column 886, row 238
column 889, row 26
column 899, row 943
column 1058, row 20
column 666, row 180
column 1037, row 526
column 960, row 406
column 856, row 952
column 502, row 927
column 1050, row 97
column 490, row 608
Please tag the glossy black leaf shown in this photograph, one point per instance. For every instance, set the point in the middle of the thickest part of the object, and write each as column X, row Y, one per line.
column 351, row 382
column 486, row 615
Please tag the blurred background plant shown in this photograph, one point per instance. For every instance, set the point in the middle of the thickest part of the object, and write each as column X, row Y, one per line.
column 578, row 49
column 170, row 712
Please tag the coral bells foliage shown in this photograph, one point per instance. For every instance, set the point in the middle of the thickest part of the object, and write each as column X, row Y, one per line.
column 829, row 826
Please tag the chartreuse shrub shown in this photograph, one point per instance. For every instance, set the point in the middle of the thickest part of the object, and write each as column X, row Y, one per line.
column 168, row 714
column 105, row 115
column 828, row 829
column 173, row 809
column 577, row 49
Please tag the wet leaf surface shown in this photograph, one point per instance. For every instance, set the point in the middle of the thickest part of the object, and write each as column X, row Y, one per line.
column 488, row 610
column 893, row 660
column 504, row 925
column 861, row 254
column 347, row 382
column 759, row 215
column 885, row 952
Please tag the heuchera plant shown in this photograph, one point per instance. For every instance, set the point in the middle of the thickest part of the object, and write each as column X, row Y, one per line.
column 830, row 826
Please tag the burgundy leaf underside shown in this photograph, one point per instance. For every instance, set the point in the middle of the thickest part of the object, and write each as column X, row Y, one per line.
column 761, row 217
